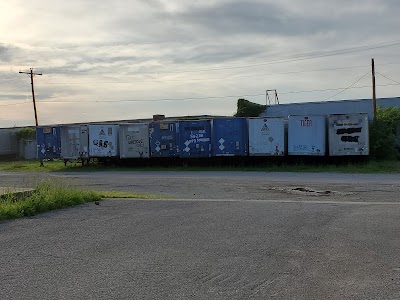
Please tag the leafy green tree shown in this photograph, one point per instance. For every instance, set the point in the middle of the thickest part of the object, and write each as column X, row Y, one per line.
column 245, row 108
column 383, row 133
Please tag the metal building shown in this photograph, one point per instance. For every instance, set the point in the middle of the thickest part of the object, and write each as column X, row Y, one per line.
column 329, row 107
column 8, row 143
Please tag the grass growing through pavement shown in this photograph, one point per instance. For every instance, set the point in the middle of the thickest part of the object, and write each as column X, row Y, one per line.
column 384, row 167
column 51, row 195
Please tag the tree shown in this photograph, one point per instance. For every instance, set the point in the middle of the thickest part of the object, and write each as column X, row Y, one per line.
column 383, row 134
column 26, row 134
column 245, row 108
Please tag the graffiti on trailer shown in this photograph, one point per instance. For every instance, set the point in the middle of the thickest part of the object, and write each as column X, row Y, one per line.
column 101, row 143
column 349, row 138
column 132, row 141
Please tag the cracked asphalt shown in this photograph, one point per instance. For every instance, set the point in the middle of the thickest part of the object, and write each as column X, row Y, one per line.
column 226, row 235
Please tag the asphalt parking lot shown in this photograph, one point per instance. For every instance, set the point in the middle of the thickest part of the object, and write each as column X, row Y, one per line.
column 224, row 236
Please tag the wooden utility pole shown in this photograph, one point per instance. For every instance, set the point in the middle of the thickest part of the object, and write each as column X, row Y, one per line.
column 31, row 74
column 373, row 90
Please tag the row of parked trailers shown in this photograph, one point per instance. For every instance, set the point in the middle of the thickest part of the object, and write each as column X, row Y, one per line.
column 312, row 135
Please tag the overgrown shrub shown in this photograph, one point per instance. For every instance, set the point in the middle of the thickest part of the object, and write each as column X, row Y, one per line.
column 26, row 134
column 383, row 134
column 245, row 108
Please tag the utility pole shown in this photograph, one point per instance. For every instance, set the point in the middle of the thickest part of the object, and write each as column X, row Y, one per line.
column 373, row 89
column 31, row 74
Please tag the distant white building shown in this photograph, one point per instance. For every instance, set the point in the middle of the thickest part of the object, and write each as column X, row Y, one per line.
column 329, row 107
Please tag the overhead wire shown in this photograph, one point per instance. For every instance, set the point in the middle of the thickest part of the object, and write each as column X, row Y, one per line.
column 347, row 87
column 387, row 77
column 209, row 97
column 295, row 58
column 12, row 104
column 212, row 78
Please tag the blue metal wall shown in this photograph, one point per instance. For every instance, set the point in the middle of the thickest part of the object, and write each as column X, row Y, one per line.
column 230, row 137
column 48, row 142
column 195, row 138
column 164, row 139
column 329, row 107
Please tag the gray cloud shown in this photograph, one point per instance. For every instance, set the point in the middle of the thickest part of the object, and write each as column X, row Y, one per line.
column 141, row 49
column 244, row 17
column 5, row 53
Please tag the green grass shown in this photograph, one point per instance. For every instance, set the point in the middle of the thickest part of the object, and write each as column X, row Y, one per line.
column 123, row 194
column 29, row 165
column 385, row 167
column 51, row 195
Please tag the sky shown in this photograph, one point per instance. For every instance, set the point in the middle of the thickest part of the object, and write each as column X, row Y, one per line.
column 117, row 60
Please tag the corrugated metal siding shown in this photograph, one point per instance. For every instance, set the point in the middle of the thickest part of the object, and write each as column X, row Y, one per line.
column 329, row 107
column 8, row 142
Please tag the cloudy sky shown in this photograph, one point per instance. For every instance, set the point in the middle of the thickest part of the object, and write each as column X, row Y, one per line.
column 112, row 60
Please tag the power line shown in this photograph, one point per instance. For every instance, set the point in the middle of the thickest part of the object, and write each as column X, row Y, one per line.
column 15, row 103
column 296, row 58
column 348, row 86
column 10, row 80
column 209, row 97
column 211, row 78
column 335, row 89
column 204, row 98
column 388, row 77
column 13, row 89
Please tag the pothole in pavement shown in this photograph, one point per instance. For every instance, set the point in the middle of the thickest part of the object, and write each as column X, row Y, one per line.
column 307, row 191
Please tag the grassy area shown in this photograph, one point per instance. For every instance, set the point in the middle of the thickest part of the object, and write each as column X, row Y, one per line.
column 55, row 195
column 365, row 167
column 29, row 165
column 123, row 194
